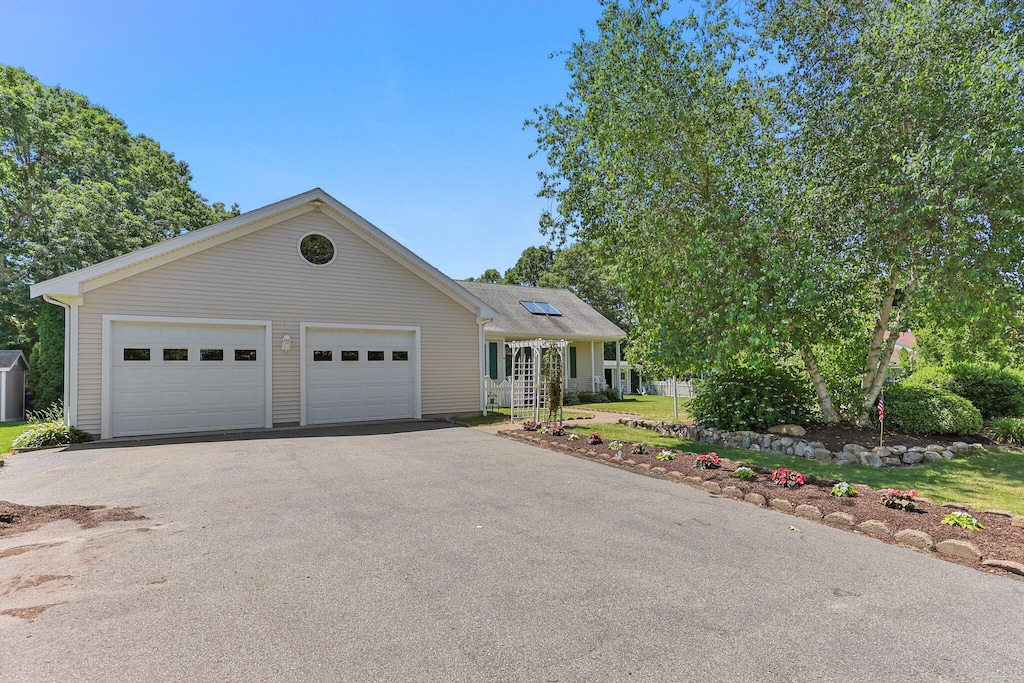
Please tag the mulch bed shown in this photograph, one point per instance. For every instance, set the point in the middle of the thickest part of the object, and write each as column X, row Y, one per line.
column 999, row 540
column 836, row 436
column 16, row 519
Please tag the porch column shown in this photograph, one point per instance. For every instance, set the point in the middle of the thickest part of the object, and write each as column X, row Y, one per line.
column 593, row 371
column 618, row 369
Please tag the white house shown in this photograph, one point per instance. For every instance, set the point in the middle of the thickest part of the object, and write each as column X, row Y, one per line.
column 298, row 313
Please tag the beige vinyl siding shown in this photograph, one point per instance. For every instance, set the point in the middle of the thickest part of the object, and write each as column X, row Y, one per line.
column 261, row 276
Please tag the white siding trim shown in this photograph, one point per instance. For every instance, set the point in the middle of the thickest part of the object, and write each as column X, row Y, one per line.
column 105, row 349
column 303, row 326
column 71, row 370
column 3, row 395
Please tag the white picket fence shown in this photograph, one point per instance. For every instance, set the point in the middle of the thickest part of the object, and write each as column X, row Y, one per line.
column 499, row 394
column 684, row 387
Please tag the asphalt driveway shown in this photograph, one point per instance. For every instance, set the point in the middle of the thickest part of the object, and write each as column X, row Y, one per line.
column 433, row 553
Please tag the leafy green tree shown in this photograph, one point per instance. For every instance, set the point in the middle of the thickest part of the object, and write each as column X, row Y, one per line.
column 531, row 266
column 77, row 188
column 490, row 275
column 872, row 183
column 45, row 376
column 580, row 270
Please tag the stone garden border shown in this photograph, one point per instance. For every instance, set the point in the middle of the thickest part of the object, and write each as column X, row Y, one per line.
column 852, row 454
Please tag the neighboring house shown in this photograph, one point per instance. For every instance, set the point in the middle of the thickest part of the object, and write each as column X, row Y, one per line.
column 525, row 313
column 12, row 386
column 905, row 343
column 297, row 313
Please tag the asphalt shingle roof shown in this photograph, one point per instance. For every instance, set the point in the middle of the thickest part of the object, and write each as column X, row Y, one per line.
column 8, row 359
column 578, row 319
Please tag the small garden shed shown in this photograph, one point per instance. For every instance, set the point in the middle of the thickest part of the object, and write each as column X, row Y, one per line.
column 12, row 385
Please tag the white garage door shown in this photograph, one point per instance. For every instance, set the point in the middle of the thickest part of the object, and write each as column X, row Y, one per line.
column 168, row 378
column 354, row 375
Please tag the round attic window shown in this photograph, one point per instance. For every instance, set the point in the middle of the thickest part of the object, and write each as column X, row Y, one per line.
column 317, row 249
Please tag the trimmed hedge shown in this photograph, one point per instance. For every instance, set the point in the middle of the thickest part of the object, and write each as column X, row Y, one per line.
column 996, row 392
column 753, row 398
column 921, row 409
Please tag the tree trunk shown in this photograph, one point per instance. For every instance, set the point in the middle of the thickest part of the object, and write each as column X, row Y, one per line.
column 874, row 379
column 828, row 411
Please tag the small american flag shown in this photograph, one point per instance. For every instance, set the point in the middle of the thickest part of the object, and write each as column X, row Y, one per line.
column 881, row 408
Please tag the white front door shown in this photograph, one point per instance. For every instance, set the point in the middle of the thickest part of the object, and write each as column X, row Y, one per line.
column 182, row 377
column 360, row 375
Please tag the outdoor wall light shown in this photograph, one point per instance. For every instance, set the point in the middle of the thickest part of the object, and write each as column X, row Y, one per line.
column 286, row 343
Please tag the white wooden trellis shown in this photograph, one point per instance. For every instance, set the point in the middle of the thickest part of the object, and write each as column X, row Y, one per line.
column 528, row 389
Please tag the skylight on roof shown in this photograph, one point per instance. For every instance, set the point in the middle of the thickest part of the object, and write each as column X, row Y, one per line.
column 540, row 308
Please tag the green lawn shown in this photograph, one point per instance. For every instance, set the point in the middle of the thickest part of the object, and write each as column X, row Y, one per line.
column 9, row 430
column 650, row 407
column 985, row 479
column 499, row 415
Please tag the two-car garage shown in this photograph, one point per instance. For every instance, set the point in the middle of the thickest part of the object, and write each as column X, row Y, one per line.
column 166, row 377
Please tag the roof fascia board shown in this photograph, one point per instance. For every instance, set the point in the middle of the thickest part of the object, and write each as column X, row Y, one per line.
column 391, row 247
column 71, row 283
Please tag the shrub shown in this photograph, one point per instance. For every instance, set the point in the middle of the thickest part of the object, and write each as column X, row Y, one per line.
column 744, row 473
column 614, row 446
column 638, row 449
column 49, row 435
column 558, row 430
column 898, row 499
column 964, row 520
column 45, row 375
column 665, row 456
column 752, row 398
column 844, row 490
column 788, row 478
column 995, row 391
column 574, row 437
column 708, row 461
column 590, row 397
column 594, row 438
column 1009, row 430
column 920, row 409
column 530, row 426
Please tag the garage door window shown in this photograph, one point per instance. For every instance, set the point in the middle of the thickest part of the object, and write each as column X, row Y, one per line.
column 323, row 356
column 245, row 354
column 136, row 354
column 349, row 356
column 211, row 354
column 374, row 355
column 175, row 354
column 399, row 355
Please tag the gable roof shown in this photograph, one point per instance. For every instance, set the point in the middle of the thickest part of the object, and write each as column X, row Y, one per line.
column 76, row 283
column 9, row 358
column 578, row 319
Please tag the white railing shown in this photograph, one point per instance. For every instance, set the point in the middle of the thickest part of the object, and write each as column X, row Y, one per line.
column 499, row 394
column 684, row 387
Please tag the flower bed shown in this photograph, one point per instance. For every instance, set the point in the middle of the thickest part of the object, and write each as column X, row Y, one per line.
column 1001, row 539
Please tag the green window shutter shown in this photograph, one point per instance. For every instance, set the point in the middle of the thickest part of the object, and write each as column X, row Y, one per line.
column 572, row 362
column 508, row 362
column 492, row 359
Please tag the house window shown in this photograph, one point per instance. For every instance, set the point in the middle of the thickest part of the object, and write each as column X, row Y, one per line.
column 211, row 354
column 348, row 356
column 175, row 354
column 374, row 355
column 245, row 354
column 572, row 362
column 399, row 355
column 322, row 356
column 317, row 249
column 136, row 354
column 508, row 362
column 492, row 360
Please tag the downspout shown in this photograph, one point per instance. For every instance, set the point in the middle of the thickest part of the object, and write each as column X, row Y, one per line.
column 67, row 354
column 480, row 322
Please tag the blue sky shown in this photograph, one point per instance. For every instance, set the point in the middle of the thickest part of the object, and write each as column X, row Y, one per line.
column 410, row 113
